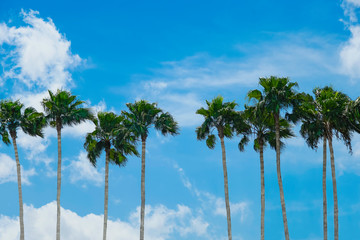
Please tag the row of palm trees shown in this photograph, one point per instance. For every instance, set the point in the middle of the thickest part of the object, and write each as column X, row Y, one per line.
column 117, row 135
column 325, row 115
column 267, row 121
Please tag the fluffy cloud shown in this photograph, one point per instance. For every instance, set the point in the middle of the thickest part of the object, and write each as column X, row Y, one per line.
column 161, row 223
column 82, row 170
column 40, row 54
column 8, row 171
column 350, row 53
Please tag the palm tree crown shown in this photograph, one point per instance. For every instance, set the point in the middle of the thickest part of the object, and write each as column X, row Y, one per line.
column 142, row 115
column 12, row 117
column 262, row 127
column 220, row 116
column 63, row 108
column 110, row 135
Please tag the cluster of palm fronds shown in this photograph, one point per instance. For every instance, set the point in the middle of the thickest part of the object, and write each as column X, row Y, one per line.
column 268, row 120
column 327, row 114
column 117, row 135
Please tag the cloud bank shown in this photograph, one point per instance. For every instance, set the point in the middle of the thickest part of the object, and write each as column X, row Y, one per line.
column 161, row 223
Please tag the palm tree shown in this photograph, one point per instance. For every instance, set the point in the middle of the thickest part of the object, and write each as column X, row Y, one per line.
column 31, row 122
column 117, row 141
column 278, row 94
column 61, row 109
column 141, row 116
column 313, row 130
column 324, row 117
column 262, row 128
column 220, row 116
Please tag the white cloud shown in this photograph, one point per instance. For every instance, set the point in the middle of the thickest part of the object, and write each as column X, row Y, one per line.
column 37, row 57
column 8, row 171
column 161, row 223
column 40, row 55
column 82, row 170
column 350, row 53
column 350, row 7
column 181, row 87
column 33, row 145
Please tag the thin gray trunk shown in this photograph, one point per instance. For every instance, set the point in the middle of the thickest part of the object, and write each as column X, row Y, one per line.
column 58, row 128
column 324, row 189
column 336, row 211
column 262, row 191
column 142, row 214
column 106, row 193
column 278, row 169
column 21, row 210
column 226, row 188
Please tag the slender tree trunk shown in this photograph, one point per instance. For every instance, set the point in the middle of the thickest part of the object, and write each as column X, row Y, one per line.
column 58, row 128
column 324, row 189
column 21, row 210
column 262, row 192
column 226, row 188
column 336, row 211
column 106, row 193
column 142, row 214
column 278, row 169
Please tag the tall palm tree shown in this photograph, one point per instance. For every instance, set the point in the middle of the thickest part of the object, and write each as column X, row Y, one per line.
column 61, row 109
column 31, row 122
column 262, row 127
column 277, row 94
column 110, row 135
column 221, row 116
column 325, row 117
column 140, row 117
column 313, row 130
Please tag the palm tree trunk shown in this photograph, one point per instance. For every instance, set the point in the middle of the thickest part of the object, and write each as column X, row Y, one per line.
column 106, row 194
column 142, row 214
column 21, row 211
column 58, row 128
column 336, row 211
column 324, row 189
column 262, row 192
column 226, row 188
column 278, row 169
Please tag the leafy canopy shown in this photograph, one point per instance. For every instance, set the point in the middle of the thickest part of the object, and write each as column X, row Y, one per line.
column 326, row 114
column 63, row 108
column 262, row 127
column 110, row 135
column 221, row 116
column 142, row 115
column 277, row 94
column 12, row 117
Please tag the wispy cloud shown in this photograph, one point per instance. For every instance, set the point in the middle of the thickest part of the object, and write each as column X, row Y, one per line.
column 212, row 203
column 181, row 86
column 81, row 170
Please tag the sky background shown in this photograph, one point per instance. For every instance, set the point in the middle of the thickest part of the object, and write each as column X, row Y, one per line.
column 178, row 54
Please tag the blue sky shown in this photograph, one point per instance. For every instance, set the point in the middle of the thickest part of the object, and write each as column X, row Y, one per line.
column 178, row 54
